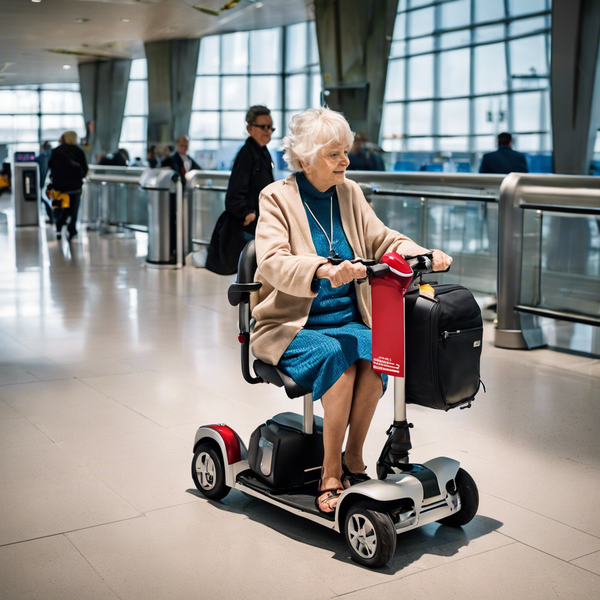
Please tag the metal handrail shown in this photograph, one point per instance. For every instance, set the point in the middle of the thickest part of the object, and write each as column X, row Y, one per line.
column 117, row 169
column 520, row 192
column 99, row 178
column 455, row 180
column 436, row 195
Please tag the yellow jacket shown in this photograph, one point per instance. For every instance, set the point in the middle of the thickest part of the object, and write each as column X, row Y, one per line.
column 59, row 199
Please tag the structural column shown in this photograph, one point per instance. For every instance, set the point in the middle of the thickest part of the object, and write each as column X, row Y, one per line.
column 103, row 86
column 172, row 68
column 354, row 40
column 575, row 83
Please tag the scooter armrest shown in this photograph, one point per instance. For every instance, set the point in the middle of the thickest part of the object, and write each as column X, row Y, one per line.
column 240, row 292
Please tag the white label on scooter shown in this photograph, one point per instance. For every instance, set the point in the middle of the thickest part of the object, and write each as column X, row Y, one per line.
column 382, row 362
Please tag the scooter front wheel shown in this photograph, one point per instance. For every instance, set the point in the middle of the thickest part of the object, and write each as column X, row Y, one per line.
column 371, row 536
column 469, row 501
column 208, row 472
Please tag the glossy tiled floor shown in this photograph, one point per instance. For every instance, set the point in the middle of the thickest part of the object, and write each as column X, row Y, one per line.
column 106, row 370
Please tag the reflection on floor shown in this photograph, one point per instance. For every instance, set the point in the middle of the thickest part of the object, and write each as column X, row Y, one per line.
column 106, row 370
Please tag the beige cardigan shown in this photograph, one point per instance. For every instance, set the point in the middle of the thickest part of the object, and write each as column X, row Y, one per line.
column 287, row 261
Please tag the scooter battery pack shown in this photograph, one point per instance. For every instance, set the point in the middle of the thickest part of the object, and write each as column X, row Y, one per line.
column 282, row 456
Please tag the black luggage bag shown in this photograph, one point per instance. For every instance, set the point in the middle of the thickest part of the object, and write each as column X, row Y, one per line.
column 443, row 347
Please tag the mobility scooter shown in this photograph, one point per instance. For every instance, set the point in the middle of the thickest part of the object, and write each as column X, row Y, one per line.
column 282, row 463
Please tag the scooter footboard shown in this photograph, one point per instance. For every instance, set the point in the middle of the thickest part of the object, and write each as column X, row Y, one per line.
column 233, row 450
column 404, row 496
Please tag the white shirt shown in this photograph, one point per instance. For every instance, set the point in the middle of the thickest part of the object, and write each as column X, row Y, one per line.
column 187, row 161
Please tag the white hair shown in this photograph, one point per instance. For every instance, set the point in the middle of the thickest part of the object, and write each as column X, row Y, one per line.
column 311, row 131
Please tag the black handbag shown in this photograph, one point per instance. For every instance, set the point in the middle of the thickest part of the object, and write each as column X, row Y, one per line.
column 226, row 245
column 443, row 347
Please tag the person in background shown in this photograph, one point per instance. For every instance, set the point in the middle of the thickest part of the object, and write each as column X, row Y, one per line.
column 42, row 159
column 505, row 159
column 365, row 156
column 180, row 161
column 68, row 167
column 252, row 170
column 120, row 158
column 165, row 152
column 152, row 157
column 125, row 154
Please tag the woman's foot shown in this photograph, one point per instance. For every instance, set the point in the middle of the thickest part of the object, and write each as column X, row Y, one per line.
column 351, row 476
column 329, row 492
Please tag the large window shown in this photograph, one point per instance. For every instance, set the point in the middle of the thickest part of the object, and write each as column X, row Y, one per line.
column 30, row 115
column 275, row 67
column 462, row 71
column 135, row 116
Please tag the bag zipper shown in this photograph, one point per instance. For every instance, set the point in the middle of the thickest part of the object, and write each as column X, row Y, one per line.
column 446, row 334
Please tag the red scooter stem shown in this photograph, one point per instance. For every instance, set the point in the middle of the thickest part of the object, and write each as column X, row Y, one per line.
column 388, row 334
column 387, row 299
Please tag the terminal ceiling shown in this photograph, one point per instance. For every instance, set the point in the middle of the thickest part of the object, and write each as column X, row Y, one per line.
column 38, row 38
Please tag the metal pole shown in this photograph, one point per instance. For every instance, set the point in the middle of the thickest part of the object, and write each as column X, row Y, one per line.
column 399, row 399
column 179, row 221
column 510, row 258
column 307, row 426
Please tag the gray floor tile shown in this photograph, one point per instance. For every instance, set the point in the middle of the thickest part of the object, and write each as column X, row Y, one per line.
column 49, row 569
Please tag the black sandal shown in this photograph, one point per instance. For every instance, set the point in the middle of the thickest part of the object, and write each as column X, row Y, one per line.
column 350, row 477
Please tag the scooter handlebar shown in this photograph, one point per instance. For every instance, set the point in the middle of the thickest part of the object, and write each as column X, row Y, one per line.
column 421, row 265
column 378, row 270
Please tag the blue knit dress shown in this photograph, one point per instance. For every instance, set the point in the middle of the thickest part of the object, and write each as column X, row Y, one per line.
column 334, row 336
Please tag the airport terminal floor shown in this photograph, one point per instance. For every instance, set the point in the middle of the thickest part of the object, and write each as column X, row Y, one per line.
column 107, row 368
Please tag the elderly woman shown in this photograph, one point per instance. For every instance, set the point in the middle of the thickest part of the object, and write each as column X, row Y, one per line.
column 312, row 319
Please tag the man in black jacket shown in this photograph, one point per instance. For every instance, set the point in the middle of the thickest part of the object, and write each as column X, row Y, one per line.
column 180, row 161
column 68, row 167
column 505, row 159
column 252, row 170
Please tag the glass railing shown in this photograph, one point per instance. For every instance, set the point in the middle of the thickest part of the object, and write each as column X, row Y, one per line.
column 112, row 200
column 549, row 263
column 205, row 192
column 455, row 212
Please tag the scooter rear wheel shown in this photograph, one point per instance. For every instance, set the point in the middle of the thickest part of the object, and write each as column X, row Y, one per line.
column 371, row 536
column 469, row 500
column 208, row 472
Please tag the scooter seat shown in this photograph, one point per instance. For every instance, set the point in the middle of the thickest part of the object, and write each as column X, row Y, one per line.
column 273, row 375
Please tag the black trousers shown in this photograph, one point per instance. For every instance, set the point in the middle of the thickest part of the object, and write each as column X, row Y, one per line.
column 61, row 215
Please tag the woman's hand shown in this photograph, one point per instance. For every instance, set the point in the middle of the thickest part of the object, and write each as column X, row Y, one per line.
column 249, row 218
column 343, row 273
column 441, row 261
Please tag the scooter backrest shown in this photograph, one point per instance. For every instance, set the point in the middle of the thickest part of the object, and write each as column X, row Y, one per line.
column 247, row 264
column 240, row 290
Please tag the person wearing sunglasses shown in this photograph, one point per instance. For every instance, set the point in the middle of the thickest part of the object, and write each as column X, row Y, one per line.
column 252, row 170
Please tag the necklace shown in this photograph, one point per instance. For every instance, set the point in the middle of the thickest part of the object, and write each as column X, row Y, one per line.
column 332, row 254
